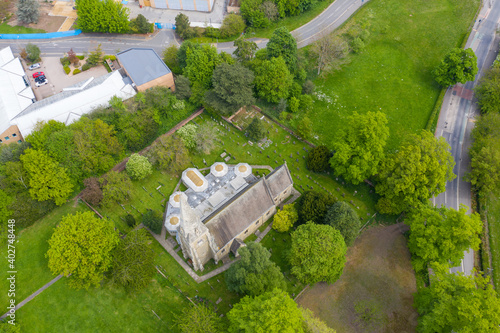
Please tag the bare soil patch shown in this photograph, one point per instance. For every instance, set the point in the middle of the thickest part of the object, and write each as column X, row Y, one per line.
column 45, row 22
column 375, row 292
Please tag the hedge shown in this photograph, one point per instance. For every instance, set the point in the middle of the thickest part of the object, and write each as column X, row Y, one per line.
column 86, row 67
column 76, row 71
column 67, row 69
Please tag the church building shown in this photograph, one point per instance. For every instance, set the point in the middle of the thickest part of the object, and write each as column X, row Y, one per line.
column 219, row 210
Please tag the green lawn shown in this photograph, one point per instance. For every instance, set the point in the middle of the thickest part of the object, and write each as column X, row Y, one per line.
column 393, row 73
column 8, row 29
column 62, row 309
column 493, row 215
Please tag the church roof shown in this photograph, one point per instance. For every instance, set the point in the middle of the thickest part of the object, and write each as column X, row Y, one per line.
column 237, row 214
column 279, row 180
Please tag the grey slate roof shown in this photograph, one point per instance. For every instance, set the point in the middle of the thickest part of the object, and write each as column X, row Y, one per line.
column 237, row 214
column 279, row 179
column 142, row 64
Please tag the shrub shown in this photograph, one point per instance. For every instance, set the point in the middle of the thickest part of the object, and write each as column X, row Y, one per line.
column 308, row 87
column 293, row 104
column 212, row 32
column 153, row 220
column 256, row 130
column 67, row 69
column 130, row 220
column 81, row 57
column 65, row 61
column 357, row 45
column 76, row 71
column 318, row 159
column 85, row 67
column 232, row 25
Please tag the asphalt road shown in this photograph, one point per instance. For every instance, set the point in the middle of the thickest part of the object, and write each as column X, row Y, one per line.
column 457, row 115
column 332, row 17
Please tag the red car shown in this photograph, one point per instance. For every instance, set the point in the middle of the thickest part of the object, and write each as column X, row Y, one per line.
column 37, row 74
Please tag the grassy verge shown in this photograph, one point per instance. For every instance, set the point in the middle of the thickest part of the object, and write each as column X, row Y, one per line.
column 493, row 215
column 8, row 29
column 393, row 74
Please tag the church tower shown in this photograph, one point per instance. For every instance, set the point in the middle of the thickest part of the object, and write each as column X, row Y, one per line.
column 196, row 241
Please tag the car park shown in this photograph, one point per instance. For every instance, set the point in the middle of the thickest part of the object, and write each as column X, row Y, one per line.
column 37, row 74
column 34, row 66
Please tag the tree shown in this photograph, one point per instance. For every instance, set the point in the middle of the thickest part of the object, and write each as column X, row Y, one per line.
column 183, row 27
column 27, row 211
column 255, row 273
column 170, row 59
column 95, row 57
column 169, row 153
column 138, row 167
column 251, row 11
column 285, row 218
column 200, row 65
column 107, row 16
column 60, row 145
column 185, row 49
column 153, row 220
column 6, row 327
column 188, row 135
column 458, row 65
column 5, row 211
column 28, row 11
column 92, row 193
column 115, row 187
column 81, row 246
column 256, row 130
column 182, row 87
column 442, row 235
column 273, row 312
column 73, row 58
column 232, row 89
column 416, row 172
column 199, row 319
column 232, row 25
column 270, row 10
column 485, row 154
column 41, row 133
column 206, row 139
column 313, row 206
column 283, row 44
column 457, row 303
column 33, row 52
column 318, row 158
column 488, row 91
column 46, row 179
column 141, row 25
column 313, row 324
column 317, row 253
column 134, row 260
column 342, row 217
column 360, row 148
column 304, row 127
column 245, row 49
column 308, row 87
column 273, row 80
column 329, row 52
column 130, row 220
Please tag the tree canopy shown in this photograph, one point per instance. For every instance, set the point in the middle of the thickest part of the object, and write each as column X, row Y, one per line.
column 273, row 80
column 245, row 49
column 232, row 88
column 317, row 253
column 199, row 319
column 285, row 218
column 33, row 52
column 28, row 11
column 417, row 171
column 318, row 159
column 485, row 154
column 283, row 44
column 360, row 147
column 46, row 179
column 81, row 245
column 457, row 303
column 256, row 130
column 458, row 65
column 255, row 273
column 273, row 312
column 102, row 16
column 169, row 153
column 488, row 91
column 313, row 324
column 183, row 26
column 133, row 260
column 344, row 218
column 115, row 188
column 442, row 235
column 312, row 206
column 232, row 25
column 153, row 220
column 138, row 167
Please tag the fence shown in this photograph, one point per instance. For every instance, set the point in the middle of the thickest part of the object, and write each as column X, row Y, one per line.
column 47, row 35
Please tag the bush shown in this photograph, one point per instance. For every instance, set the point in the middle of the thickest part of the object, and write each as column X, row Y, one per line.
column 85, row 67
column 313, row 206
column 138, row 167
column 130, row 220
column 33, row 52
column 212, row 32
column 76, row 71
column 67, row 69
column 344, row 218
column 318, row 159
column 153, row 220
column 233, row 25
column 308, row 87
column 65, row 61
column 357, row 45
column 81, row 57
column 256, row 130
column 293, row 104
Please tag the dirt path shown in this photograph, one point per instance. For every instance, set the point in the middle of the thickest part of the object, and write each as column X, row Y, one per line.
column 378, row 276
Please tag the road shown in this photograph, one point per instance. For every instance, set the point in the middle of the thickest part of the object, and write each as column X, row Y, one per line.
column 459, row 109
column 331, row 18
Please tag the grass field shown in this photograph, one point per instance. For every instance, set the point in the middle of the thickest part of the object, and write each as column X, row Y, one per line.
column 8, row 29
column 393, row 73
column 62, row 309
column 493, row 209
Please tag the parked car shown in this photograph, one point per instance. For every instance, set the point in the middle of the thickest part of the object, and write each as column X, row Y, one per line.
column 41, row 83
column 40, row 78
column 37, row 74
column 34, row 66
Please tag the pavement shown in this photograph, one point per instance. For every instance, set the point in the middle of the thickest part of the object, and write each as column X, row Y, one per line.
column 459, row 109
